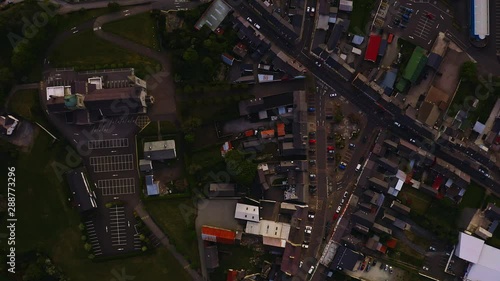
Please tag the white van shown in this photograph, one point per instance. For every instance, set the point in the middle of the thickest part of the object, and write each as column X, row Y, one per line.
column 358, row 167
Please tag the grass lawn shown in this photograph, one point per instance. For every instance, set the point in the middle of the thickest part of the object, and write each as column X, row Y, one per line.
column 140, row 29
column 85, row 51
column 473, row 197
column 360, row 16
column 25, row 104
column 166, row 128
column 417, row 200
column 179, row 228
column 404, row 253
column 418, row 240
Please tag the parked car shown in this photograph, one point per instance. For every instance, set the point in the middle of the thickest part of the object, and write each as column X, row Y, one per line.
column 311, row 109
column 310, row 215
column 390, row 269
column 308, row 9
column 312, row 176
column 339, row 208
column 345, row 194
column 256, row 25
column 249, row 20
column 397, row 124
column 311, row 269
column 308, row 229
column 305, row 246
column 352, row 146
column 312, row 141
column 332, row 95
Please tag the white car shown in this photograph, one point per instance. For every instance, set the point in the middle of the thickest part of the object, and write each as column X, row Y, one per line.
column 413, row 141
column 332, row 95
column 397, row 124
column 312, row 10
column 310, row 215
column 318, row 63
column 432, row 248
column 338, row 209
column 425, row 268
column 345, row 194
column 305, row 246
column 256, row 25
column 311, row 269
column 301, row 263
column 308, row 9
column 249, row 20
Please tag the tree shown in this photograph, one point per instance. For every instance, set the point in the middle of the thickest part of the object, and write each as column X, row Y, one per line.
column 113, row 7
column 87, row 247
column 189, row 138
column 468, row 71
column 84, row 238
column 33, row 273
column 144, row 248
column 240, row 167
column 190, row 125
column 190, row 55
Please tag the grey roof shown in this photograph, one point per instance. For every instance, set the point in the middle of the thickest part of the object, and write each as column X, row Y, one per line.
column 145, row 165
column 335, row 35
column 222, row 190
column 212, row 256
column 434, row 60
column 80, row 188
column 160, row 150
column 214, row 15
column 345, row 258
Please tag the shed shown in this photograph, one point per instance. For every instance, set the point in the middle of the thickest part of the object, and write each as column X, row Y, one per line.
column 358, row 40
column 152, row 187
column 227, row 59
column 212, row 256
column 145, row 165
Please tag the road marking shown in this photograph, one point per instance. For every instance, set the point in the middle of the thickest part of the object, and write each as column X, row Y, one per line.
column 437, row 25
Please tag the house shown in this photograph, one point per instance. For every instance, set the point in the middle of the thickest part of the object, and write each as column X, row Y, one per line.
column 345, row 6
column 145, row 165
column 403, row 209
column 227, row 59
column 79, row 186
column 152, row 187
column 8, row 124
column 492, row 212
column 247, row 212
column 274, row 234
column 160, row 150
column 221, row 190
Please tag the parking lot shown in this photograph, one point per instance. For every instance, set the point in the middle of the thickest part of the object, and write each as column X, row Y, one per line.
column 109, row 143
column 115, row 163
column 423, row 23
column 109, row 125
column 92, row 238
column 117, row 186
column 117, row 226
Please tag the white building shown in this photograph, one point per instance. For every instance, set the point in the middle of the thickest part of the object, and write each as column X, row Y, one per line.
column 273, row 233
column 484, row 259
column 247, row 212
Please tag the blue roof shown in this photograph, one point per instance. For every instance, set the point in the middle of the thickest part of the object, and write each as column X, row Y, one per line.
column 358, row 40
column 151, row 187
column 227, row 59
column 389, row 79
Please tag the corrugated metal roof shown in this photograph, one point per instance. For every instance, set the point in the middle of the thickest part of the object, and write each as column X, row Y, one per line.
column 373, row 47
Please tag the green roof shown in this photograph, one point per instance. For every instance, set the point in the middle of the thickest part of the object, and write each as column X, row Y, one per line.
column 402, row 85
column 415, row 65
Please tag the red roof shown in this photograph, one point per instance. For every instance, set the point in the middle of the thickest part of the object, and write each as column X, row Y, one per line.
column 218, row 232
column 281, row 129
column 391, row 243
column 232, row 275
column 249, row 133
column 437, row 182
column 373, row 46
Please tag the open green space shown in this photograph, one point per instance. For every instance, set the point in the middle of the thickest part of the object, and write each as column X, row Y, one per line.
column 176, row 217
column 361, row 15
column 473, row 197
column 139, row 28
column 25, row 103
column 85, row 51
column 165, row 127
column 415, row 199
column 68, row 21
column 47, row 223
column 403, row 252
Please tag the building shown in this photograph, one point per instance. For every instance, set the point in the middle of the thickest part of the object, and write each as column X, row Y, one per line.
column 247, row 212
column 214, row 15
column 492, row 212
column 160, row 150
column 79, row 186
column 221, row 190
column 211, row 256
column 415, row 65
column 374, row 42
column 152, row 187
column 145, row 165
column 345, row 258
column 218, row 235
column 8, row 124
column 483, row 258
column 345, row 6
column 403, row 209
column 480, row 19
column 273, row 233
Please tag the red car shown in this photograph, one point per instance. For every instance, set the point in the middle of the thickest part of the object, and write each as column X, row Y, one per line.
column 430, row 16
column 335, row 216
column 312, row 141
column 330, row 147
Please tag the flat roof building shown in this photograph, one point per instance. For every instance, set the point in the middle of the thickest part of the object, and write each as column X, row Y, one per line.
column 247, row 212
column 160, row 150
column 480, row 18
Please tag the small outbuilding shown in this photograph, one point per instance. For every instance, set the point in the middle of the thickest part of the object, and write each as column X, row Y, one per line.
column 160, row 150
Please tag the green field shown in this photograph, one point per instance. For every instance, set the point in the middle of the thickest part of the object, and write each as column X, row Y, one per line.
column 473, row 197
column 179, row 228
column 140, row 29
column 360, row 16
column 47, row 223
column 85, row 51
column 417, row 200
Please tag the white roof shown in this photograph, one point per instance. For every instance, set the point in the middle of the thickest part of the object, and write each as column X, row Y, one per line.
column 247, row 212
column 56, row 91
column 482, row 273
column 268, row 229
column 479, row 127
column 265, row 78
column 481, row 18
column 469, row 247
